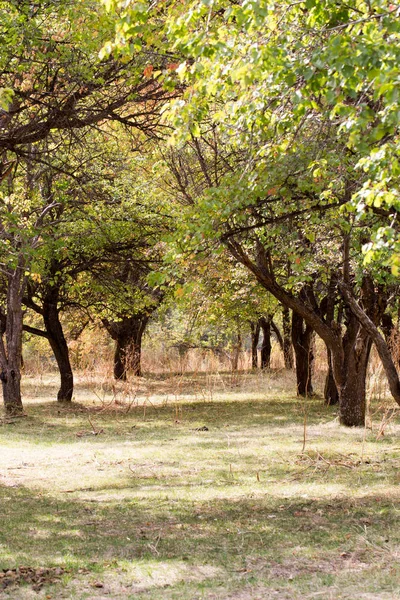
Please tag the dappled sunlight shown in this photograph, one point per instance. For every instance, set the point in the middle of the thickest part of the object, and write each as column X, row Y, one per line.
column 199, row 493
column 167, row 541
column 160, row 574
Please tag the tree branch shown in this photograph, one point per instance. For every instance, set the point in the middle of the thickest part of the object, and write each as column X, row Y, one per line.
column 36, row 331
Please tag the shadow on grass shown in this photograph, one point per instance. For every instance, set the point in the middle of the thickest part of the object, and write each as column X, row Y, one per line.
column 265, row 541
column 173, row 510
column 61, row 421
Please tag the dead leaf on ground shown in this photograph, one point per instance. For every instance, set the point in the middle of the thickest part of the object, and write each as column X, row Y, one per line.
column 35, row 576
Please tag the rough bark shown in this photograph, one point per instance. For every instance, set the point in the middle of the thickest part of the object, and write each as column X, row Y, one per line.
column 352, row 395
column 285, row 341
column 11, row 341
column 327, row 307
column 303, row 344
column 266, row 348
column 387, row 327
column 128, row 334
column 255, row 337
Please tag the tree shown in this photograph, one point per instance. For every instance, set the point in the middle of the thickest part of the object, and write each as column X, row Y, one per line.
column 313, row 121
column 126, row 303
column 55, row 86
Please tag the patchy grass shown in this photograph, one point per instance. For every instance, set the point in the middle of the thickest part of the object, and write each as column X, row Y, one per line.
column 196, row 487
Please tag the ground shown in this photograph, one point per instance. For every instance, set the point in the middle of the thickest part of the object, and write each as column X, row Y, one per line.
column 197, row 487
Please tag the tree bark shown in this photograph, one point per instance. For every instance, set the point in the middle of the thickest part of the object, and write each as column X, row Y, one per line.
column 361, row 331
column 11, row 341
column 381, row 346
column 352, row 395
column 255, row 337
column 128, row 334
column 266, row 348
column 53, row 331
column 287, row 339
column 236, row 352
column 120, row 366
column 58, row 343
column 303, row 344
column 327, row 307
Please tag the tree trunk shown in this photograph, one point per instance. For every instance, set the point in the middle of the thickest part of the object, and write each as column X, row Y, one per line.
column 383, row 349
column 361, row 330
column 255, row 337
column 352, row 403
column 11, row 346
column 331, row 393
column 287, row 339
column 128, row 334
column 236, row 352
column 120, row 367
column 58, row 343
column 266, row 343
column 331, row 332
column 11, row 382
column 303, row 344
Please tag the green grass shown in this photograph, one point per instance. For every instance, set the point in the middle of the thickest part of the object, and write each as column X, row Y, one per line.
column 152, row 508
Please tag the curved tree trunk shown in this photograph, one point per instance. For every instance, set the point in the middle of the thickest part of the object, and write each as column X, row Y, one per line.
column 331, row 332
column 53, row 332
column 303, row 338
column 266, row 347
column 255, row 337
column 128, row 334
column 58, row 343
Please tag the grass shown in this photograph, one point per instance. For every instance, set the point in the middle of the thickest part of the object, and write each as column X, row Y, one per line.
column 197, row 487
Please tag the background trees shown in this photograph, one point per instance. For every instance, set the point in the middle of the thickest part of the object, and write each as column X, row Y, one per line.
column 294, row 94
column 55, row 90
column 262, row 135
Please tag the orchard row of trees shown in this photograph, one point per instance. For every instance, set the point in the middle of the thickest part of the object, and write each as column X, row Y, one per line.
column 242, row 150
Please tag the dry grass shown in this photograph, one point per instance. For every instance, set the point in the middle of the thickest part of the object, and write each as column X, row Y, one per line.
column 195, row 486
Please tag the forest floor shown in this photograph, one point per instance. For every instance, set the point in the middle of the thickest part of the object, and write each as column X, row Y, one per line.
column 197, row 487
